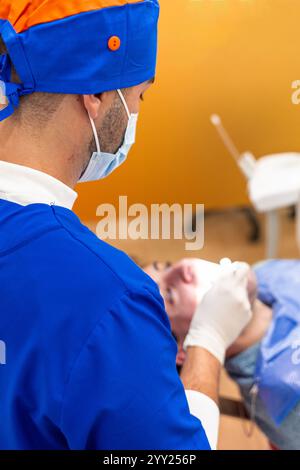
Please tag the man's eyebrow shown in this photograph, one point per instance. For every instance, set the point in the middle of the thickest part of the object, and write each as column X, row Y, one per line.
column 152, row 80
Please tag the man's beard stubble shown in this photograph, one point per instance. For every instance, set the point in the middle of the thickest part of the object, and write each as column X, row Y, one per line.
column 112, row 130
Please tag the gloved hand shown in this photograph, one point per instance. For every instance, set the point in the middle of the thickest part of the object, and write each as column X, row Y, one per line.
column 223, row 313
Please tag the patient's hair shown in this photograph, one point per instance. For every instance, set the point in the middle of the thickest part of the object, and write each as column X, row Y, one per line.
column 36, row 107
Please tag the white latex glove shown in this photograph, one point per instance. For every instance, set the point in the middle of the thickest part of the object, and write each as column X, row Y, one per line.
column 223, row 313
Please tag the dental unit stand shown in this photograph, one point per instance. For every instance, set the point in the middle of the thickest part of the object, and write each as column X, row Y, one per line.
column 273, row 183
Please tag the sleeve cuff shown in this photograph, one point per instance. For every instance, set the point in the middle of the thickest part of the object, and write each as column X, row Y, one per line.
column 207, row 411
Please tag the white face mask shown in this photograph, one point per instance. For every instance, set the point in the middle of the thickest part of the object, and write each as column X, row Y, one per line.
column 103, row 164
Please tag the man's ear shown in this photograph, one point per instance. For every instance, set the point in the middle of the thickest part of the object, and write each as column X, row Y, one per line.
column 92, row 104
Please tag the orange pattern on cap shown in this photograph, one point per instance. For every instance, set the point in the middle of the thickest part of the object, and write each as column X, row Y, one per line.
column 24, row 14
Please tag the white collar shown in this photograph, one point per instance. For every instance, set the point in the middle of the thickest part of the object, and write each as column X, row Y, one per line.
column 24, row 186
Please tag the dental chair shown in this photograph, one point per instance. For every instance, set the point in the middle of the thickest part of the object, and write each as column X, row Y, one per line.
column 233, row 408
column 273, row 184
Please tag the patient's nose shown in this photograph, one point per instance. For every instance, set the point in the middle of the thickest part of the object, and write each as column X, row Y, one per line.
column 187, row 274
column 180, row 273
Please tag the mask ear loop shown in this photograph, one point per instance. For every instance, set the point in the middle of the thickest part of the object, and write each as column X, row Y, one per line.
column 124, row 103
column 95, row 135
column 94, row 126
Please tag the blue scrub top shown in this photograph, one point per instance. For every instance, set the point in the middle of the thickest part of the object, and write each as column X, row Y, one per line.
column 90, row 359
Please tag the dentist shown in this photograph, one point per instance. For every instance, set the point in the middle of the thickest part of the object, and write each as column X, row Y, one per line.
column 89, row 355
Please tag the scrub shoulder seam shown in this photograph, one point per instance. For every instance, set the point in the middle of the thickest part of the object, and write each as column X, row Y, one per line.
column 29, row 240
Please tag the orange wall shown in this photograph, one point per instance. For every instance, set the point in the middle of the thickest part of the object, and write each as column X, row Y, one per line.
column 237, row 58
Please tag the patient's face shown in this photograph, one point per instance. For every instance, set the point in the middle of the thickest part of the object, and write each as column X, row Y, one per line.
column 180, row 286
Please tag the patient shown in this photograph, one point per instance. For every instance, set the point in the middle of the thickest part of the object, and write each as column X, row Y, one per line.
column 266, row 356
